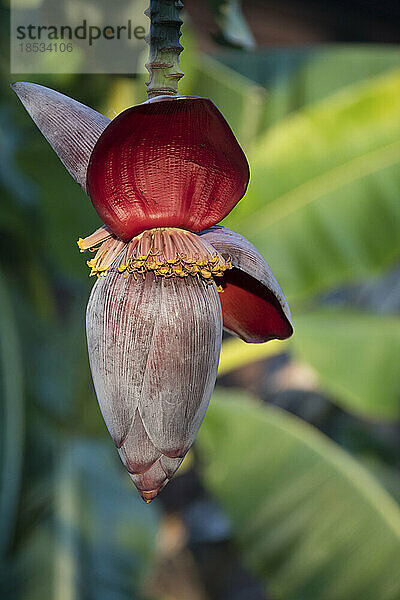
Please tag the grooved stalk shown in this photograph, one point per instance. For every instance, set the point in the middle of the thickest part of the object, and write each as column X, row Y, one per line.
column 163, row 39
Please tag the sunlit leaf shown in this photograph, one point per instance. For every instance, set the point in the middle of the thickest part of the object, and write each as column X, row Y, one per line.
column 320, row 72
column 356, row 356
column 323, row 200
column 236, row 353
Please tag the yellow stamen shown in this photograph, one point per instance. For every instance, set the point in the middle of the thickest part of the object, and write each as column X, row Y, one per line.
column 165, row 251
column 94, row 239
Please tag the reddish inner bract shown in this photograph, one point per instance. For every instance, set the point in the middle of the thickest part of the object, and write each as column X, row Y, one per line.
column 170, row 163
column 251, row 311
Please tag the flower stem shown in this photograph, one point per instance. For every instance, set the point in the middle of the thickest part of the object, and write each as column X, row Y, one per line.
column 163, row 39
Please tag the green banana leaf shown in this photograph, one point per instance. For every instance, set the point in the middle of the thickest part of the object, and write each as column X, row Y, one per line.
column 320, row 72
column 337, row 66
column 308, row 519
column 356, row 356
column 322, row 205
column 235, row 353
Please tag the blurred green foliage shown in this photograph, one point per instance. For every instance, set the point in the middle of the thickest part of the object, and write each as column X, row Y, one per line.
column 323, row 208
column 322, row 201
column 323, row 141
column 310, row 521
column 359, row 364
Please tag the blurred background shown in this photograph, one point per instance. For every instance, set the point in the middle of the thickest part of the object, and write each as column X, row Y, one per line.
column 291, row 491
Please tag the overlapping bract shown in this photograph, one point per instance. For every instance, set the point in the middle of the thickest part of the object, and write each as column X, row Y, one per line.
column 154, row 328
column 154, row 348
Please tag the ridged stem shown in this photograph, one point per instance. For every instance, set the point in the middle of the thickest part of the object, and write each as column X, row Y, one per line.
column 163, row 39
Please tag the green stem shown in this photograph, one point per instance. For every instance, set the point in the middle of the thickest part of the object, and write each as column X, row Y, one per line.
column 163, row 39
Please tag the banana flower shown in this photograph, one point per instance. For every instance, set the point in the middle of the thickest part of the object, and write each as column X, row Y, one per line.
column 161, row 175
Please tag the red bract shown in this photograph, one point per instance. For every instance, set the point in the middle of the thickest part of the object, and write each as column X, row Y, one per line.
column 171, row 163
column 253, row 305
column 160, row 175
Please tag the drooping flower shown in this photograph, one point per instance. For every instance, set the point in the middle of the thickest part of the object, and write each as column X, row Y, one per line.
column 161, row 176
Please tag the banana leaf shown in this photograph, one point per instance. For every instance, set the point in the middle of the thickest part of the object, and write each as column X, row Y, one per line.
column 308, row 519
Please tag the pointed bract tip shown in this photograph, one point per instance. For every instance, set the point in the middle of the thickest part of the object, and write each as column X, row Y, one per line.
column 148, row 496
column 70, row 127
column 150, row 483
column 20, row 86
